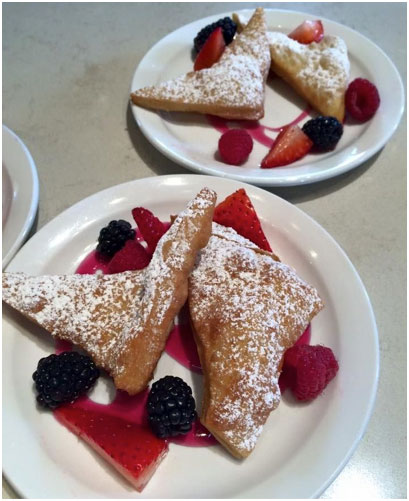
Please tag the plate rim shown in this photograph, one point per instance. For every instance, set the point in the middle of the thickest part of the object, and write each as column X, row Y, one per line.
column 35, row 194
column 186, row 180
column 265, row 181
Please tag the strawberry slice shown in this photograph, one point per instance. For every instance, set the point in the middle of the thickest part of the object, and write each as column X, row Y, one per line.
column 150, row 226
column 133, row 256
column 132, row 449
column 307, row 32
column 237, row 212
column 290, row 145
column 211, row 50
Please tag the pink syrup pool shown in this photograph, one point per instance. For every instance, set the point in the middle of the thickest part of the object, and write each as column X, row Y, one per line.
column 256, row 130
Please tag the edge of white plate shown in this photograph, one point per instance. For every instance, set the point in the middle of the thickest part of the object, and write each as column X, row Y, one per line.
column 35, row 194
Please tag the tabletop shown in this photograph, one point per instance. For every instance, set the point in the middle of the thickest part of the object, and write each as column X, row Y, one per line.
column 67, row 69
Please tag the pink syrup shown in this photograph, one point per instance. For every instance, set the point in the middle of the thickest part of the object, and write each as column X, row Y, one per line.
column 253, row 127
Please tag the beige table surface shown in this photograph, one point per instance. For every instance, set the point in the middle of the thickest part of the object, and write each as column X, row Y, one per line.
column 66, row 75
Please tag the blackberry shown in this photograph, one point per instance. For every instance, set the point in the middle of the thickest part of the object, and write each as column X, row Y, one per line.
column 229, row 28
column 113, row 237
column 171, row 407
column 324, row 132
column 63, row 378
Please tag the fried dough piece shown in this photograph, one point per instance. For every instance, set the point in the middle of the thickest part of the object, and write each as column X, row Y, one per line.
column 232, row 88
column 121, row 320
column 247, row 308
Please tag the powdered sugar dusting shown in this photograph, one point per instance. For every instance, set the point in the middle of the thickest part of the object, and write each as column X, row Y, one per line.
column 235, row 81
column 247, row 308
column 103, row 314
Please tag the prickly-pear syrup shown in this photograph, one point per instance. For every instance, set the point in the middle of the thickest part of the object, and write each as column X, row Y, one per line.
column 253, row 127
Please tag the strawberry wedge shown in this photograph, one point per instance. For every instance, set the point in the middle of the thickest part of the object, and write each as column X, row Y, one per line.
column 211, row 50
column 130, row 448
column 291, row 145
column 308, row 32
column 237, row 212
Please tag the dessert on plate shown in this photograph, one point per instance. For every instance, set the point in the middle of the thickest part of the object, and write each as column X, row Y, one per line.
column 122, row 320
column 232, row 88
column 247, row 308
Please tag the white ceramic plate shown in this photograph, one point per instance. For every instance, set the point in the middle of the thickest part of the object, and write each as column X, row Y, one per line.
column 189, row 140
column 19, row 194
column 302, row 448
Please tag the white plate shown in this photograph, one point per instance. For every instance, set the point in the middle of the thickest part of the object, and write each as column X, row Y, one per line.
column 189, row 140
column 19, row 194
column 302, row 448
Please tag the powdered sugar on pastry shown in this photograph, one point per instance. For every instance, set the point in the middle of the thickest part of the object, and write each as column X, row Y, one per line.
column 232, row 88
column 121, row 320
column 247, row 308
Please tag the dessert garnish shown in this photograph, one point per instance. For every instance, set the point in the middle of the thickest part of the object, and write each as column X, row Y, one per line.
column 235, row 146
column 63, row 378
column 150, row 226
column 121, row 320
column 308, row 32
column 362, row 99
column 232, row 88
column 291, row 145
column 133, row 256
column 307, row 370
column 324, row 132
column 171, row 407
column 211, row 51
column 113, row 237
column 228, row 27
column 237, row 211
column 130, row 448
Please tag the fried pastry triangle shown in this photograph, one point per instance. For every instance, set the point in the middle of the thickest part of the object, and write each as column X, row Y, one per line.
column 121, row 320
column 232, row 88
column 318, row 72
column 247, row 308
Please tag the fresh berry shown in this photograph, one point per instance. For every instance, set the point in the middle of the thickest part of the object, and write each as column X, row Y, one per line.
column 171, row 407
column 290, row 145
column 237, row 212
column 307, row 32
column 324, row 132
column 113, row 237
column 362, row 99
column 211, row 51
column 150, row 226
column 63, row 378
column 235, row 146
column 133, row 256
column 132, row 449
column 308, row 369
column 228, row 27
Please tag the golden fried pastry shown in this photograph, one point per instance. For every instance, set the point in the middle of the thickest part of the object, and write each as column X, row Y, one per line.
column 247, row 308
column 318, row 72
column 121, row 320
column 232, row 88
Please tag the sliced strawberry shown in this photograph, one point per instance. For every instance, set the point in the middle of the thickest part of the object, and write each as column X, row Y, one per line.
column 237, row 212
column 150, row 226
column 307, row 32
column 211, row 50
column 132, row 449
column 291, row 145
column 133, row 256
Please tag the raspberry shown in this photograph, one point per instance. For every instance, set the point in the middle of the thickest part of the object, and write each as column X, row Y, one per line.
column 324, row 132
column 131, row 257
column 235, row 146
column 308, row 369
column 362, row 99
